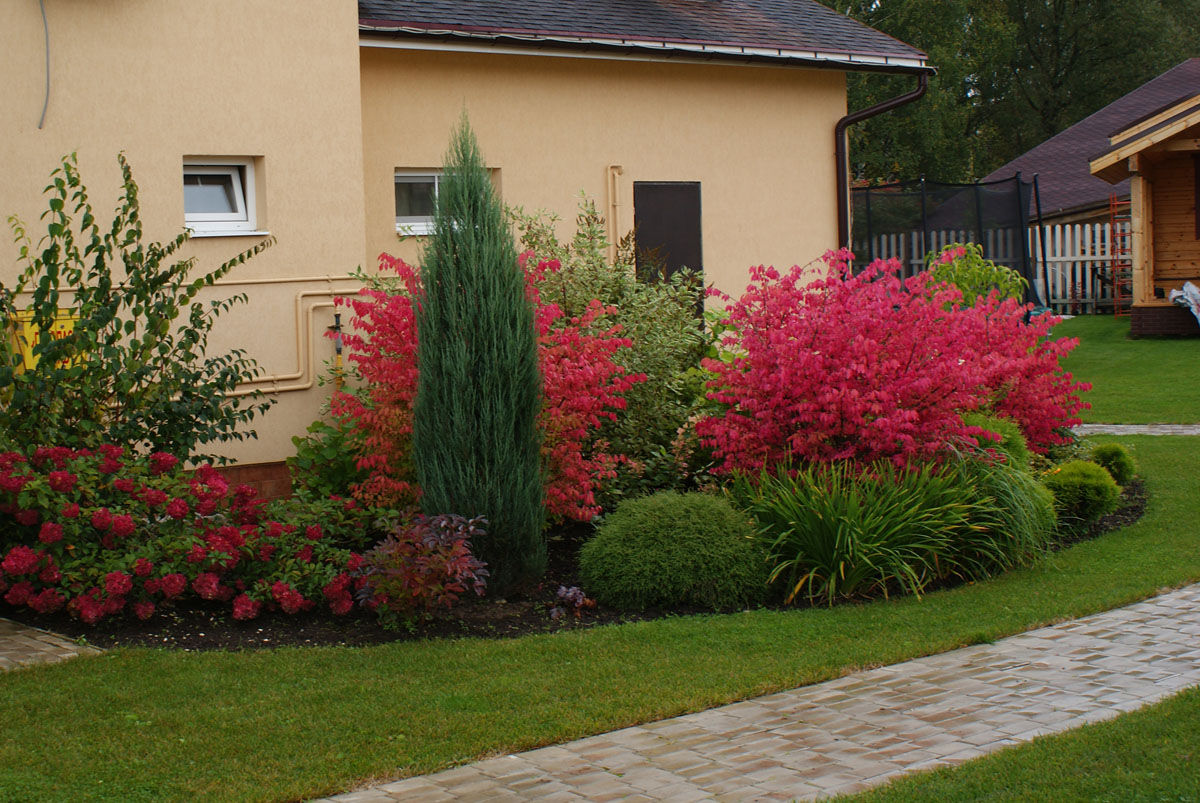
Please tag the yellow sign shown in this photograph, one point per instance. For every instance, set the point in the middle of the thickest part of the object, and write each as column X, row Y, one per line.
column 25, row 335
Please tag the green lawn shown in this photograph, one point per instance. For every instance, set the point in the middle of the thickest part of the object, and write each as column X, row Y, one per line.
column 1145, row 381
column 157, row 725
column 1151, row 754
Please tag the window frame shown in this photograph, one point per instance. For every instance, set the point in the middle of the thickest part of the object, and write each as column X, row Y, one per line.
column 416, row 225
column 214, row 224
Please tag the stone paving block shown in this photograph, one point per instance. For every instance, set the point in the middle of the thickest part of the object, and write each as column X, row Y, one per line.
column 863, row 729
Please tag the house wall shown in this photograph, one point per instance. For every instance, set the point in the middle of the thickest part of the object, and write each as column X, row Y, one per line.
column 759, row 139
column 161, row 79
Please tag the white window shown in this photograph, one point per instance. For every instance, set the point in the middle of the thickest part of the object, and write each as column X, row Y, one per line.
column 219, row 197
column 416, row 196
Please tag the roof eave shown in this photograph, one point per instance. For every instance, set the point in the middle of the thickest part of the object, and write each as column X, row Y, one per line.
column 374, row 33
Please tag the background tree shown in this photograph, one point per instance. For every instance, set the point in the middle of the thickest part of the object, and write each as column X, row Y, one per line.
column 1011, row 73
column 475, row 441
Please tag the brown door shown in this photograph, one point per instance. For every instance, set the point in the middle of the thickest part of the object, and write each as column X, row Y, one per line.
column 666, row 223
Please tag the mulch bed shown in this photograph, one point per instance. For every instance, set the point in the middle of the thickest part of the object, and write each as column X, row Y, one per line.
column 209, row 627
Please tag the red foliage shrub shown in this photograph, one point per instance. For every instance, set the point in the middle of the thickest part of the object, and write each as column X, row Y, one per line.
column 867, row 367
column 582, row 386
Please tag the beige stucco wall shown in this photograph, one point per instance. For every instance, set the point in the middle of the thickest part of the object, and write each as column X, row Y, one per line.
column 161, row 79
column 759, row 139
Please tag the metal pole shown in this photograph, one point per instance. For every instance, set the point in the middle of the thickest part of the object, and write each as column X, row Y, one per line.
column 1037, row 202
column 924, row 222
column 1022, row 213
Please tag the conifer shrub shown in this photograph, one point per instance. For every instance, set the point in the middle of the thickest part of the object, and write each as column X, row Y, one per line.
column 475, row 435
column 1117, row 460
column 1083, row 492
column 672, row 549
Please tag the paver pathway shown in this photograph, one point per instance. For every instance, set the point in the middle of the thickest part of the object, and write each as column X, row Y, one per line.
column 863, row 729
column 1137, row 429
column 21, row 645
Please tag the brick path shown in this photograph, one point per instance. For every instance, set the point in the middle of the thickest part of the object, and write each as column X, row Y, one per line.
column 21, row 645
column 860, row 730
column 1137, row 429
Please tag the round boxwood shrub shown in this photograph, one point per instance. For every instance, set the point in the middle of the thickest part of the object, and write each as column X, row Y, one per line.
column 1117, row 460
column 674, row 549
column 1083, row 491
column 1012, row 442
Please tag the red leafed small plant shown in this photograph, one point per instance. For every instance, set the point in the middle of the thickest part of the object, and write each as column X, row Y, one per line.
column 421, row 567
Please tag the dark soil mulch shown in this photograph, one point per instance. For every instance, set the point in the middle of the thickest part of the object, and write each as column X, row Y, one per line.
column 209, row 627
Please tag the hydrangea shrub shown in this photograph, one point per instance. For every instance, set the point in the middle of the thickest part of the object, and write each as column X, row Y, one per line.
column 101, row 532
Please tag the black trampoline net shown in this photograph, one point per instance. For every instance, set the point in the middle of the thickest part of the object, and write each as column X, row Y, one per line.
column 911, row 219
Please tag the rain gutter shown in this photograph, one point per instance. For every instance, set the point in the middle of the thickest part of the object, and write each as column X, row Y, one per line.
column 842, row 159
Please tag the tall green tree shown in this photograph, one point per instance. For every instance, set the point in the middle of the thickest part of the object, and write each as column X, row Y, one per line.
column 475, row 436
column 1011, row 73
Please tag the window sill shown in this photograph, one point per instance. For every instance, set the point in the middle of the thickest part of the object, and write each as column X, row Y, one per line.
column 229, row 233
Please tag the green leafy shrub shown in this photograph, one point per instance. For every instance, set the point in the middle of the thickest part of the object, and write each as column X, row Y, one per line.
column 1083, row 491
column 836, row 531
column 963, row 265
column 475, row 436
column 133, row 370
column 674, row 549
column 1010, row 440
column 659, row 317
column 1116, row 460
column 325, row 463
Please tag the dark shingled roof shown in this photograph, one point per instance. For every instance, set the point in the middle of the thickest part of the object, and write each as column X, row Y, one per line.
column 801, row 30
column 1061, row 162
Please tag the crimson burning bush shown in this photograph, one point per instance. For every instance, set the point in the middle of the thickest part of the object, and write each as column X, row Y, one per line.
column 867, row 367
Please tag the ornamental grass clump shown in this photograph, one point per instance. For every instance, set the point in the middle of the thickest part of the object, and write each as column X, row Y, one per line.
column 673, row 549
column 837, row 531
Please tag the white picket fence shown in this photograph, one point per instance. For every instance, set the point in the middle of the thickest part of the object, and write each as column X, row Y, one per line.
column 1076, row 257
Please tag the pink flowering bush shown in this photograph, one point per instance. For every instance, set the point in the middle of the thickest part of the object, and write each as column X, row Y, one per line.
column 103, row 532
column 867, row 367
column 583, row 387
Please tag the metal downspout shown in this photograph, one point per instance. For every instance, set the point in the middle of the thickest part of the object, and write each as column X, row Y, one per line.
column 840, row 155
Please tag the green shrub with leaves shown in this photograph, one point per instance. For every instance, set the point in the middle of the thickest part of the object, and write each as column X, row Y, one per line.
column 659, row 317
column 1116, row 460
column 1083, row 492
column 963, row 265
column 1009, row 441
column 673, row 549
column 326, row 461
column 475, row 436
column 835, row 531
column 133, row 370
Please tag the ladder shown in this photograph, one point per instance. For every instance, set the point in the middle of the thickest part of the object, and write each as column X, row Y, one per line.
column 1121, row 254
